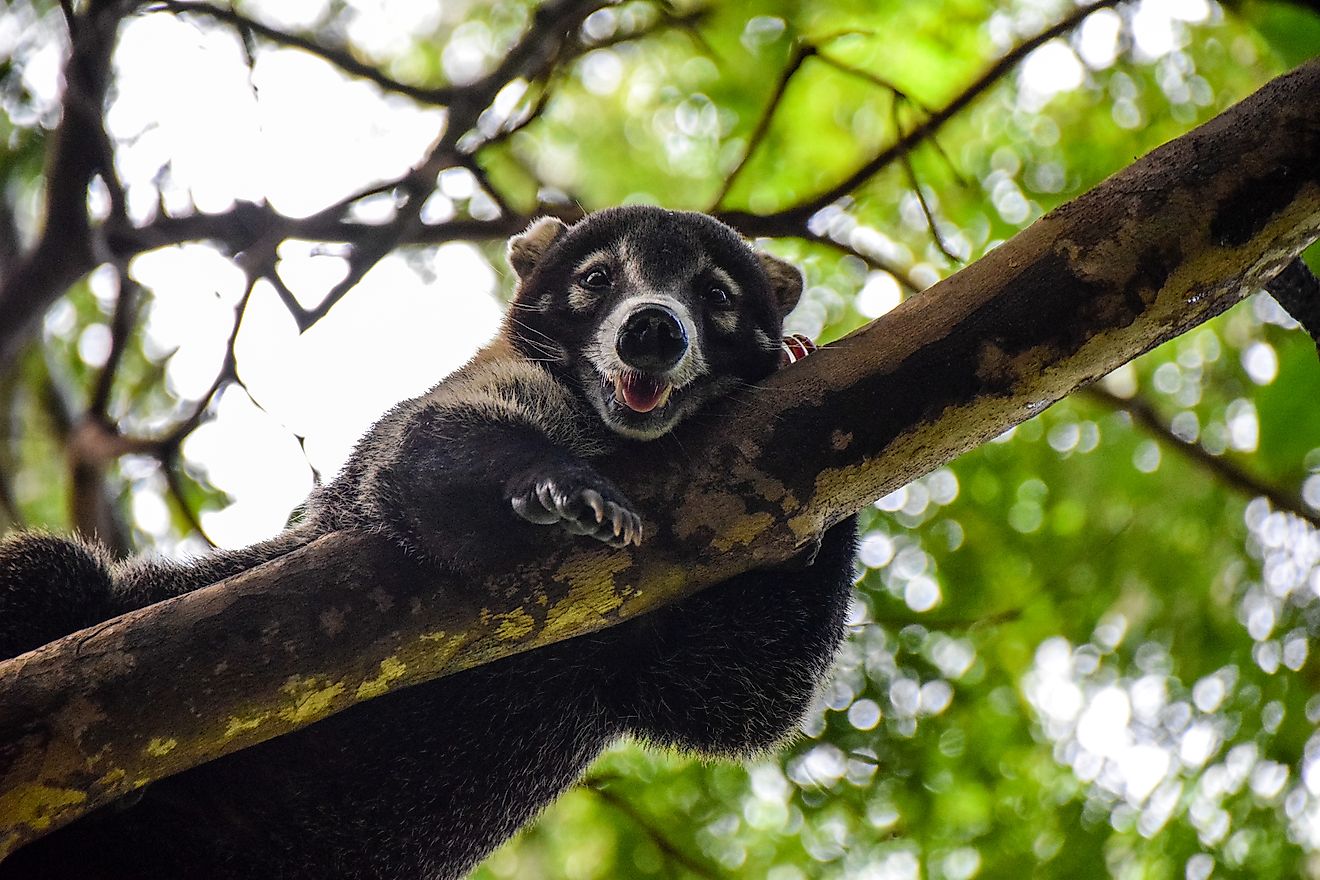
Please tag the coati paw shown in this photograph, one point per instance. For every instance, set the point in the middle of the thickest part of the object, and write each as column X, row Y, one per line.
column 581, row 510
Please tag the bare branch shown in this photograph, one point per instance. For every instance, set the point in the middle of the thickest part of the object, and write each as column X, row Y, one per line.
column 900, row 275
column 340, row 56
column 63, row 251
column 169, row 462
column 801, row 52
column 789, row 220
column 531, row 58
column 650, row 828
column 1221, row 468
column 900, row 97
column 228, row 372
column 469, row 161
column 287, row 299
column 874, row 80
column 915, row 185
column 121, row 328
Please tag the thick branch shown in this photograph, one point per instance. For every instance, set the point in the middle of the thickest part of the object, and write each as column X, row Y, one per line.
column 1155, row 250
column 63, row 252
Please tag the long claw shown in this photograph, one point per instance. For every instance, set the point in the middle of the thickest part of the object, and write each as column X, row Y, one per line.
column 544, row 494
column 546, row 502
column 595, row 502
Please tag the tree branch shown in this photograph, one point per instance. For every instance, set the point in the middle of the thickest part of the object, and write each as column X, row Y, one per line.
column 340, row 56
column 532, row 57
column 801, row 52
column 1223, row 469
column 1156, row 249
column 792, row 218
column 63, row 252
column 671, row 851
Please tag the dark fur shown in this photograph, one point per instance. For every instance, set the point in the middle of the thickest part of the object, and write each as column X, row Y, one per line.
column 426, row 782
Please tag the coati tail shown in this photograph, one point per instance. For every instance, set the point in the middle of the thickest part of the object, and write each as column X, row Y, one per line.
column 49, row 587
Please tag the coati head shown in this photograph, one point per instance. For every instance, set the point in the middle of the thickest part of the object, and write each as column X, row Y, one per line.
column 649, row 313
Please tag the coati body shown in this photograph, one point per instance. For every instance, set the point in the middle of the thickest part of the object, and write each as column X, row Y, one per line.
column 623, row 325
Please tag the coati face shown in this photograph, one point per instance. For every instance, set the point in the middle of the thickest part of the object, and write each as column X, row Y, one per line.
column 648, row 313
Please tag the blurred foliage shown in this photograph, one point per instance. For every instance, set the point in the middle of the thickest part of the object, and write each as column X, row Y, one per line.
column 1076, row 652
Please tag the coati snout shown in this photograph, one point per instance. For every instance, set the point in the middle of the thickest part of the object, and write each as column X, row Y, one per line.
column 652, row 338
column 652, row 347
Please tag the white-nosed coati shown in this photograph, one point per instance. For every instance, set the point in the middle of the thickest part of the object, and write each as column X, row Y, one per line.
column 623, row 325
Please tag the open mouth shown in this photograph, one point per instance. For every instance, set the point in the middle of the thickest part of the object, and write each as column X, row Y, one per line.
column 638, row 391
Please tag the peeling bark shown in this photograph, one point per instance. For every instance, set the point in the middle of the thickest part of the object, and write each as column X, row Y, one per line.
column 1154, row 250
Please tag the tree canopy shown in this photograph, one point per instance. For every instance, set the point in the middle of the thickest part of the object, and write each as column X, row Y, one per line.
column 1083, row 648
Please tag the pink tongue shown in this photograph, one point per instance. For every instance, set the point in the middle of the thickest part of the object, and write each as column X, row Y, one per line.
column 639, row 393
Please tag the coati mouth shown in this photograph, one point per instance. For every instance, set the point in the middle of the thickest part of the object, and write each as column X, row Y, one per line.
column 638, row 391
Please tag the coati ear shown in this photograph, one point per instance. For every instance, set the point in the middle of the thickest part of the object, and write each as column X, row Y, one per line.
column 526, row 248
column 785, row 281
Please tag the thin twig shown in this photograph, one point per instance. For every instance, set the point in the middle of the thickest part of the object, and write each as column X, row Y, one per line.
column 469, row 161
column 169, row 463
column 287, row 298
column 915, row 184
column 121, row 328
column 872, row 78
column 533, row 56
column 899, row 97
column 900, row 275
column 658, row 837
column 801, row 52
column 788, row 220
column 339, row 56
column 1222, row 468
column 228, row 372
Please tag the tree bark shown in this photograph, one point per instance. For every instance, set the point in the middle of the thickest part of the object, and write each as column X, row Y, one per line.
column 1156, row 249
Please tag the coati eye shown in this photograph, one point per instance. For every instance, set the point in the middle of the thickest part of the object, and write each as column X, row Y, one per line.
column 596, row 278
column 718, row 296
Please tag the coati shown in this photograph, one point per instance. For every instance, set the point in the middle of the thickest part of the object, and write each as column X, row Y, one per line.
column 622, row 325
